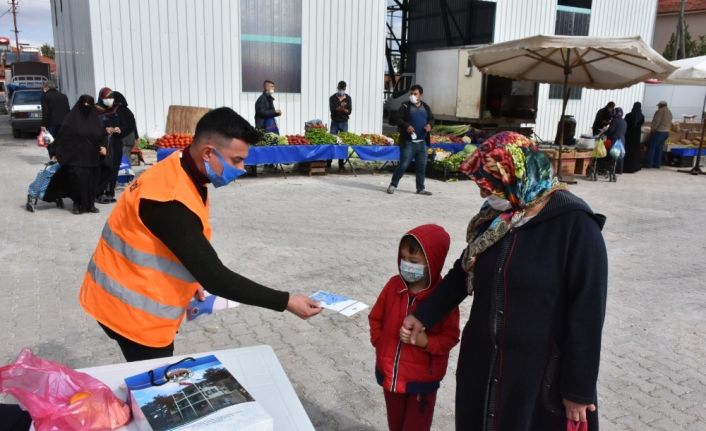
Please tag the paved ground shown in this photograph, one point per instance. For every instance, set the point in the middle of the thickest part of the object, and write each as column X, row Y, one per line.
column 340, row 233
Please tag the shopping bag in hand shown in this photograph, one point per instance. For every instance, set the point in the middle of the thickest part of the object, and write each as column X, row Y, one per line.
column 599, row 151
column 576, row 426
column 59, row 398
column 44, row 139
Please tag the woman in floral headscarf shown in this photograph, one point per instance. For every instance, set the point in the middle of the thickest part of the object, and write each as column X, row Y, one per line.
column 536, row 265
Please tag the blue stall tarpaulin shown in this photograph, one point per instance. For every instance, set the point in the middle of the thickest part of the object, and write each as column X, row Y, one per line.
column 377, row 152
column 295, row 154
column 283, row 154
column 450, row 147
column 392, row 153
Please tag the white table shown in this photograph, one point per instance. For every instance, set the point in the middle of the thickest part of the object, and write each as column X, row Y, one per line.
column 256, row 368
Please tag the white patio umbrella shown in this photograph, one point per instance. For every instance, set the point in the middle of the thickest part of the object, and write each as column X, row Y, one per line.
column 573, row 61
column 692, row 71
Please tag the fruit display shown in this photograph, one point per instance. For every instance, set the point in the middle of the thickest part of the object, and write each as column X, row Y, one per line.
column 453, row 163
column 453, row 130
column 178, row 141
column 395, row 136
column 268, row 138
column 282, row 140
column 297, row 140
column 349, row 138
column 319, row 136
column 378, row 139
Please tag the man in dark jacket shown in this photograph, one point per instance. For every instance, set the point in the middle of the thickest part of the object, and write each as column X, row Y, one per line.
column 414, row 121
column 603, row 117
column 265, row 112
column 341, row 105
column 55, row 107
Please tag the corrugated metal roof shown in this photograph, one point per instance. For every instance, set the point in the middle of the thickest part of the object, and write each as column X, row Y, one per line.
column 673, row 6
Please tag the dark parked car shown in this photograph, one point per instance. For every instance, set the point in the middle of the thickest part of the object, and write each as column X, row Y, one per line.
column 26, row 112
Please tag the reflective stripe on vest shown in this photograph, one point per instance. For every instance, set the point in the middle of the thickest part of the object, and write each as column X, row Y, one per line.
column 132, row 298
column 175, row 269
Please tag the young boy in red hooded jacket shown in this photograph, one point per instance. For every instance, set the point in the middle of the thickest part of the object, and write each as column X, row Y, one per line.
column 410, row 374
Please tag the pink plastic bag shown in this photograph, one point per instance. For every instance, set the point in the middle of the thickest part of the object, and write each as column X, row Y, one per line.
column 576, row 426
column 59, row 398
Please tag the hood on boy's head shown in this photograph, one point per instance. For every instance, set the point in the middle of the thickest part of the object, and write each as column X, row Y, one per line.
column 435, row 242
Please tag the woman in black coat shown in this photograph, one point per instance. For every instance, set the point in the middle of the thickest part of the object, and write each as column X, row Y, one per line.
column 616, row 132
column 633, row 150
column 537, row 267
column 78, row 148
column 126, row 122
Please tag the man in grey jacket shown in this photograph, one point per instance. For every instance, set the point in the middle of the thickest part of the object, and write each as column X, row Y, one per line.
column 661, row 125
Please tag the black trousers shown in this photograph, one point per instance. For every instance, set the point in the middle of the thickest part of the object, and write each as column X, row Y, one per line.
column 82, row 186
column 133, row 351
column 14, row 418
column 109, row 174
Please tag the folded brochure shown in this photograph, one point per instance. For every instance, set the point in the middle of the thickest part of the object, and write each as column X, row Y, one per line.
column 339, row 303
column 194, row 394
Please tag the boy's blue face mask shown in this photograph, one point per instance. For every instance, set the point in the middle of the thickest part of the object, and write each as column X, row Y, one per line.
column 229, row 174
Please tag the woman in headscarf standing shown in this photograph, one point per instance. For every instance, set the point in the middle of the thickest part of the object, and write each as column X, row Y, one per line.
column 633, row 134
column 107, row 112
column 78, row 148
column 128, row 134
column 616, row 132
column 536, row 265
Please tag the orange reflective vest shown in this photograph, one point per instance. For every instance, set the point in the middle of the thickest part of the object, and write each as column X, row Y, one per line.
column 134, row 284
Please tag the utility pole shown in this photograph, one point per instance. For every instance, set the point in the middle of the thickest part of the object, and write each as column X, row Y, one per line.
column 682, row 27
column 13, row 10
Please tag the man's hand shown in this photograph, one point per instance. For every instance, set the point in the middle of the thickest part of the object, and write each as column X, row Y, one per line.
column 103, row 151
column 303, row 306
column 410, row 129
column 200, row 294
column 427, row 127
column 414, row 327
column 577, row 412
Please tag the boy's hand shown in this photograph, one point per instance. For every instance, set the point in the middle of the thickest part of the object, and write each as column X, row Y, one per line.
column 415, row 327
column 406, row 337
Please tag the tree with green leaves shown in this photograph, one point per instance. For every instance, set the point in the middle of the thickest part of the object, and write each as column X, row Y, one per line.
column 47, row 50
column 692, row 48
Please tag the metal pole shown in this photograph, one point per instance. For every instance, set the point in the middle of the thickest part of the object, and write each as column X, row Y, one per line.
column 696, row 170
column 13, row 9
column 565, row 100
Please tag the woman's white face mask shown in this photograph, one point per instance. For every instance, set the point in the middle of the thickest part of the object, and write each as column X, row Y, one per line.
column 498, row 203
column 108, row 102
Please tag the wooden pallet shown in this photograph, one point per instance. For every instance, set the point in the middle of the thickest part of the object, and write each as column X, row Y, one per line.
column 317, row 168
column 183, row 119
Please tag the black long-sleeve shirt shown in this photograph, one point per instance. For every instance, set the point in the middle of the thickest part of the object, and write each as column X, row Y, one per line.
column 181, row 231
column 338, row 113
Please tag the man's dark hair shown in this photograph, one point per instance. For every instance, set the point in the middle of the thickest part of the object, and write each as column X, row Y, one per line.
column 225, row 123
column 411, row 244
column 610, row 105
column 342, row 85
column 417, row 87
column 267, row 81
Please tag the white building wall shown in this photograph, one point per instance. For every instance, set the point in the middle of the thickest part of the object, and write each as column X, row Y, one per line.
column 187, row 52
column 74, row 53
column 521, row 18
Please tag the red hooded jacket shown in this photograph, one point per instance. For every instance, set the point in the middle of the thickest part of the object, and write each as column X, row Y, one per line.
column 405, row 368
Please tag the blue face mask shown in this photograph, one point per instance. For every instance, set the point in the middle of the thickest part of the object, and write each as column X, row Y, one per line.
column 411, row 272
column 229, row 174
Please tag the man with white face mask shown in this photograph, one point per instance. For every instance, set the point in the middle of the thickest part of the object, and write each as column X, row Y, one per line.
column 340, row 105
column 414, row 121
column 265, row 111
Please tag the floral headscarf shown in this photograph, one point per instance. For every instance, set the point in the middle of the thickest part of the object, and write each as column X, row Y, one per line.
column 509, row 166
